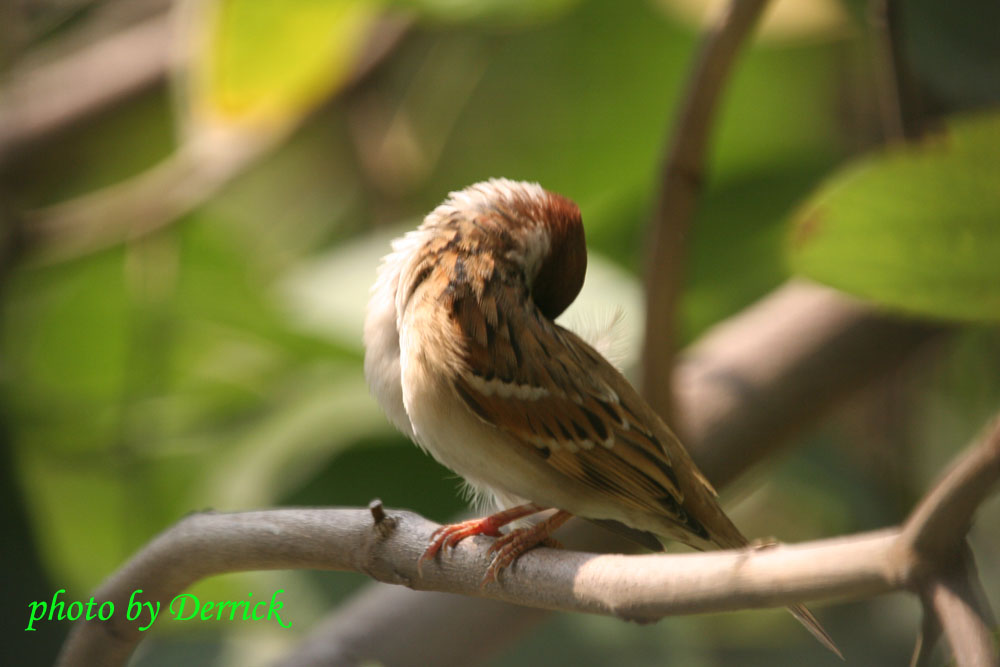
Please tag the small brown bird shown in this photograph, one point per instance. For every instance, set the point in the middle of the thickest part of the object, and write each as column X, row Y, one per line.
column 464, row 356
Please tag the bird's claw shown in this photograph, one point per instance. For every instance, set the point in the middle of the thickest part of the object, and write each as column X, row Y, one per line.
column 451, row 534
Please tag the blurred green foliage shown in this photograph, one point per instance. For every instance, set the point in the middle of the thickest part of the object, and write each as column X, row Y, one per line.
column 217, row 362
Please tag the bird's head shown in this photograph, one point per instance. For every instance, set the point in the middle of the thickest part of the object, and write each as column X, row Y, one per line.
column 539, row 231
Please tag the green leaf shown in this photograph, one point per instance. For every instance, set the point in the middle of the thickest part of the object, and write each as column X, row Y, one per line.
column 263, row 62
column 915, row 228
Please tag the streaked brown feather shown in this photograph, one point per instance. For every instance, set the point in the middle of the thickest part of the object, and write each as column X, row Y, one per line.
column 593, row 430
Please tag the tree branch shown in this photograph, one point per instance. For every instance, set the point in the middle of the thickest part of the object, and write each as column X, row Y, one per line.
column 641, row 588
column 888, row 86
column 681, row 183
column 198, row 169
column 938, row 526
column 898, row 104
column 740, row 388
column 462, row 629
column 930, row 632
column 45, row 99
column 956, row 600
column 941, row 565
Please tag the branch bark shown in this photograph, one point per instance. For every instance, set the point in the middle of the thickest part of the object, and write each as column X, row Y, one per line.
column 641, row 588
column 681, row 183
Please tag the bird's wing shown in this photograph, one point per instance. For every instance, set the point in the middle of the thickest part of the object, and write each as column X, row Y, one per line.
column 551, row 391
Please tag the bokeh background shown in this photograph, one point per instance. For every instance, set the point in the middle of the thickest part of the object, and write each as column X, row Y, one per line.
column 195, row 197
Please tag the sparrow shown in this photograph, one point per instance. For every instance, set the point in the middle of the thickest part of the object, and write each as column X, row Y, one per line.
column 463, row 354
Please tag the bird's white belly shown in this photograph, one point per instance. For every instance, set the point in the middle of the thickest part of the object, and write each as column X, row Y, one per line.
column 488, row 459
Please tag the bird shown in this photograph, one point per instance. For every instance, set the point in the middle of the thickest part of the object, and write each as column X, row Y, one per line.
column 464, row 356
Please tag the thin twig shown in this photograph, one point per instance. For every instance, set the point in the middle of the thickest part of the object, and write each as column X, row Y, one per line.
column 940, row 522
column 888, row 89
column 681, row 183
column 899, row 104
column 146, row 202
column 930, row 633
column 954, row 596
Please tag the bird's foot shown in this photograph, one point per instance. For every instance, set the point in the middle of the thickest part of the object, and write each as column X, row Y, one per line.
column 514, row 544
column 451, row 534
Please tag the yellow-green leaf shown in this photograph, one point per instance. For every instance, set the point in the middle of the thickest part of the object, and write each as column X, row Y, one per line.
column 915, row 228
column 266, row 62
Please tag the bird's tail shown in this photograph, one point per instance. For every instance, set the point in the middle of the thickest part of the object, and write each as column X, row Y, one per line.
column 806, row 618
